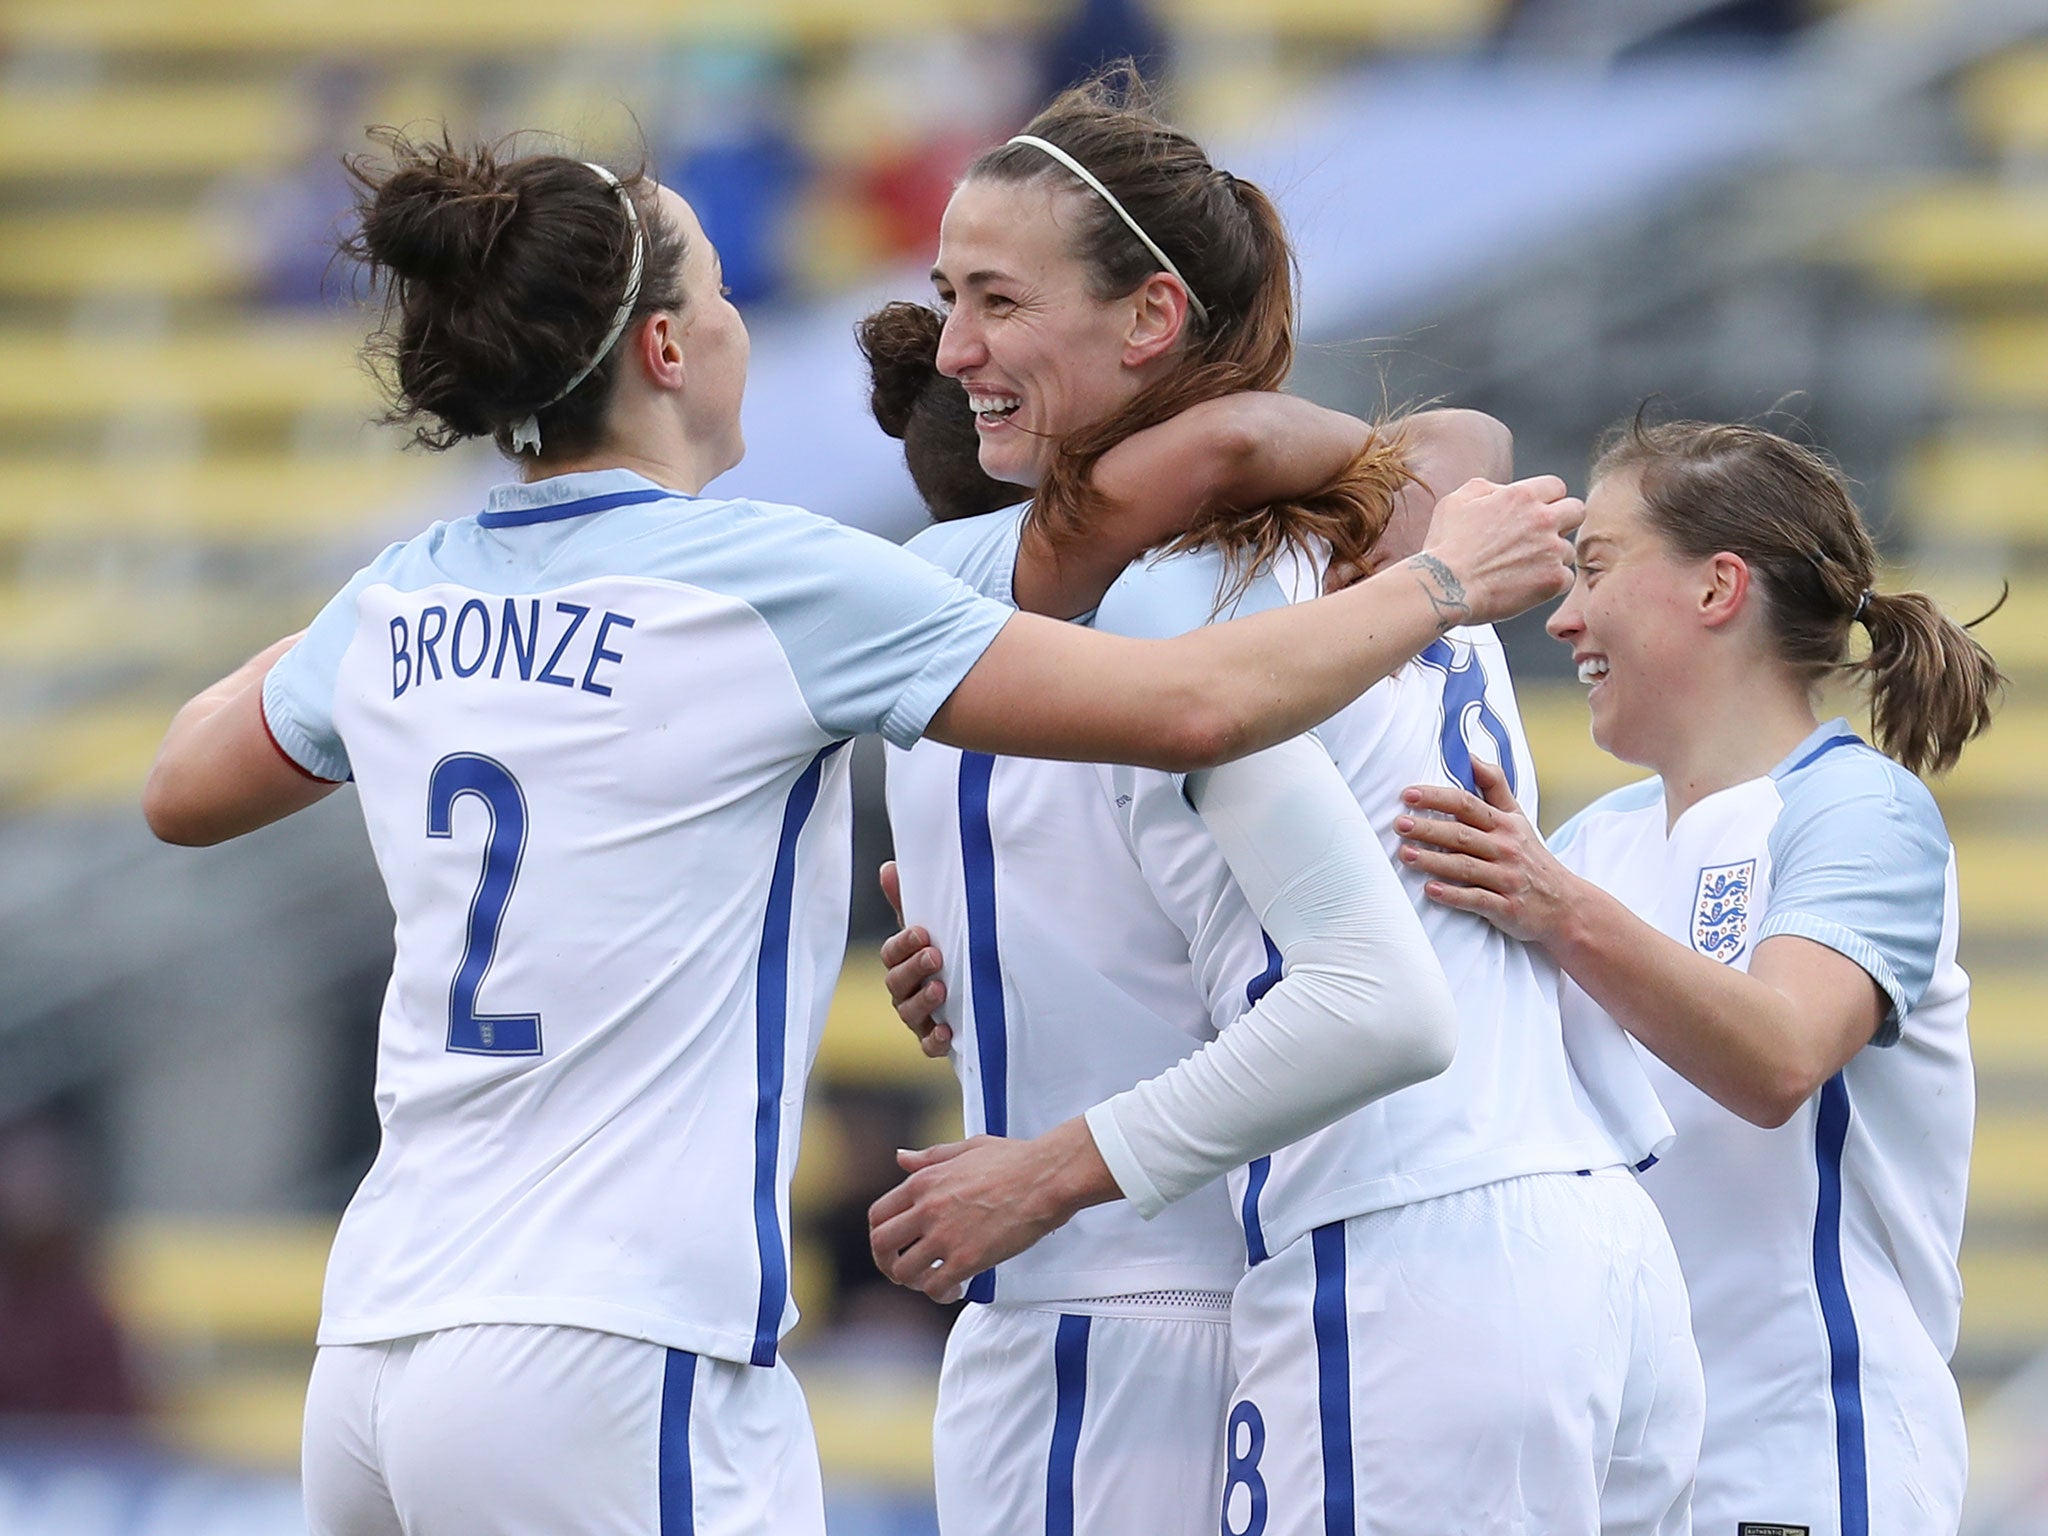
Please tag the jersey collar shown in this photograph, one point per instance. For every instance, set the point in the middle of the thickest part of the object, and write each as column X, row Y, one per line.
column 1825, row 739
column 563, row 496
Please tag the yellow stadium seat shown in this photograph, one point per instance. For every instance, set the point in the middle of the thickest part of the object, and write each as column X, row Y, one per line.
column 248, row 1416
column 279, row 368
column 361, row 498
column 97, row 755
column 2005, row 762
column 1365, row 23
column 1958, row 237
column 2006, row 101
column 2008, row 1010
column 2009, row 1167
column 474, row 27
column 865, row 1043
column 131, row 132
column 69, row 256
column 870, row 1425
column 2001, row 890
column 2001, row 361
column 220, row 1278
column 2005, row 1298
column 1979, row 486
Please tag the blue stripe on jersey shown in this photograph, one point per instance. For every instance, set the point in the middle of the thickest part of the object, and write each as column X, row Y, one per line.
column 771, row 1036
column 1260, row 1168
column 1822, row 751
column 1333, row 1378
column 1070, row 1392
column 1256, row 1172
column 1830, row 1135
column 519, row 517
column 984, row 964
column 673, row 1489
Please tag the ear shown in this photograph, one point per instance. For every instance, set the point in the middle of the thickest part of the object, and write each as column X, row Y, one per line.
column 1724, row 596
column 1159, row 317
column 657, row 344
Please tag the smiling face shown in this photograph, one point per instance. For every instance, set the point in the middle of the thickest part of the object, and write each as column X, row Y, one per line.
column 1040, row 355
column 1633, row 619
column 715, row 344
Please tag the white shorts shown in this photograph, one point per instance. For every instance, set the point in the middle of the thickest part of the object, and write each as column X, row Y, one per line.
column 1099, row 1422
column 536, row 1431
column 1516, row 1358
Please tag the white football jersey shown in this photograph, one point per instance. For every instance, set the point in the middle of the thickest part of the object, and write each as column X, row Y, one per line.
column 1065, row 984
column 1821, row 1256
column 596, row 735
column 1515, row 1100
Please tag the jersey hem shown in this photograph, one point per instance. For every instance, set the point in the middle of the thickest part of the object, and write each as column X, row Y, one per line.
column 1063, row 1286
column 293, row 742
column 1851, row 946
column 736, row 1345
column 929, row 690
column 1407, row 1189
column 1212, row 1308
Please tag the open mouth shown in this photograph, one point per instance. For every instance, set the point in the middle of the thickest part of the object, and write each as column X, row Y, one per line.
column 1592, row 669
column 994, row 410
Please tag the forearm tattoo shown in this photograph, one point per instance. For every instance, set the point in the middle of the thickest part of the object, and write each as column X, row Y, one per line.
column 1445, row 592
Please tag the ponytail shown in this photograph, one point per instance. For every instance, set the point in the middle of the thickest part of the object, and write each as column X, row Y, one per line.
column 1932, row 684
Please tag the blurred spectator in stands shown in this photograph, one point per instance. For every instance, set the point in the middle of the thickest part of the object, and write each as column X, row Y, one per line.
column 61, row 1353
column 727, row 146
column 1607, row 30
column 891, row 125
column 1099, row 33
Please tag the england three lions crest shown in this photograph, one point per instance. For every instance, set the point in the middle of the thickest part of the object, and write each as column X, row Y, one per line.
column 1720, row 909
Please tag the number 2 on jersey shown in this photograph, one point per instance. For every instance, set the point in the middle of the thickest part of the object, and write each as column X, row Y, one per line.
column 1465, row 697
column 469, row 773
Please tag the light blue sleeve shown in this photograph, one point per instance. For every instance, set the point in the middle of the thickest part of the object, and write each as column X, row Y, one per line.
column 298, row 694
column 877, row 638
column 1859, row 862
column 981, row 551
column 1159, row 599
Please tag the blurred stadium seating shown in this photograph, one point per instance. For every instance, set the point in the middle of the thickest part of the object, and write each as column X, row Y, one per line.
column 185, row 471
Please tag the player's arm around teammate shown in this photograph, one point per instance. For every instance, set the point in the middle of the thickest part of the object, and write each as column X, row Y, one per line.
column 1240, row 451
column 1774, row 919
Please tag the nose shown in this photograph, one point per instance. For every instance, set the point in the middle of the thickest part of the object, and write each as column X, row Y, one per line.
column 1566, row 624
column 960, row 344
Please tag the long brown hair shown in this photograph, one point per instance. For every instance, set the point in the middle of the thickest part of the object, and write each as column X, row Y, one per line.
column 1226, row 237
column 1712, row 487
column 500, row 274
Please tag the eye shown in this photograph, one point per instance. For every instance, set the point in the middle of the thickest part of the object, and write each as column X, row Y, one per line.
column 998, row 302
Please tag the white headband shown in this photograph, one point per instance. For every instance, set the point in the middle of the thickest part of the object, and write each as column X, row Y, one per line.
column 526, row 432
column 1201, row 310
